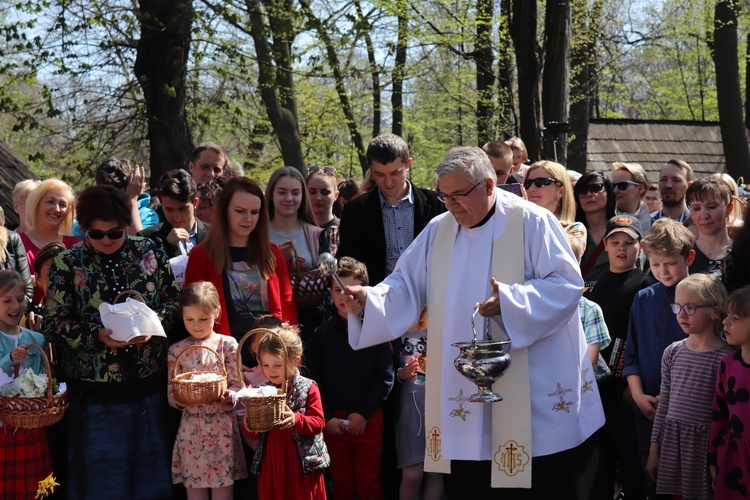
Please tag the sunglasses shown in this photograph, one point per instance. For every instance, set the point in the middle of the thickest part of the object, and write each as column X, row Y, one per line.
column 113, row 234
column 326, row 170
column 540, row 182
column 590, row 189
column 623, row 185
column 689, row 309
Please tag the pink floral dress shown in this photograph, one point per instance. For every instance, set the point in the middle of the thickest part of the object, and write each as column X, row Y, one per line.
column 208, row 451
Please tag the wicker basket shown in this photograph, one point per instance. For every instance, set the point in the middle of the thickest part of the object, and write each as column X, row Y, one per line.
column 263, row 412
column 190, row 392
column 32, row 413
column 309, row 287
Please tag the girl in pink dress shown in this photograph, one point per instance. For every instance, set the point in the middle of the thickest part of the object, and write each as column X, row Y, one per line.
column 290, row 460
column 207, row 452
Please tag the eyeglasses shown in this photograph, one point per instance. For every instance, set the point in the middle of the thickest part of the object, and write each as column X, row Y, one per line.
column 325, row 170
column 540, row 182
column 689, row 309
column 623, row 185
column 113, row 234
column 590, row 189
column 445, row 198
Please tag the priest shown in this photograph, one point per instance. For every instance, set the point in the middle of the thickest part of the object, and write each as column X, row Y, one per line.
column 511, row 259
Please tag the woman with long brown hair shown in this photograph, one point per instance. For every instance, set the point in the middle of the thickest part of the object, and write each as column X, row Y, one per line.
column 248, row 270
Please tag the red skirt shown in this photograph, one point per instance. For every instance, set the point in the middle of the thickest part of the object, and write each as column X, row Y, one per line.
column 24, row 461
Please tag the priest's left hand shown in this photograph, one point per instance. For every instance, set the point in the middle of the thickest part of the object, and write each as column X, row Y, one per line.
column 491, row 306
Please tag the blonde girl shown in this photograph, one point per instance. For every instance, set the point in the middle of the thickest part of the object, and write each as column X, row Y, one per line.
column 290, row 460
column 677, row 459
column 207, row 453
column 729, row 446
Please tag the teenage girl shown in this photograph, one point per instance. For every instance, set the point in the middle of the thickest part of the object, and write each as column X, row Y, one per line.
column 290, row 460
column 24, row 453
column 207, row 451
column 729, row 445
column 679, row 441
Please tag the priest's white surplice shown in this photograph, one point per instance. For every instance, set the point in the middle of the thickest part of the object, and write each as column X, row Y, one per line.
column 541, row 313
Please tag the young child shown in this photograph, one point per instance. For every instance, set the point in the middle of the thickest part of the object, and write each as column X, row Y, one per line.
column 290, row 460
column 207, row 451
column 24, row 453
column 677, row 462
column 652, row 326
column 614, row 289
column 410, row 432
column 728, row 455
column 354, row 385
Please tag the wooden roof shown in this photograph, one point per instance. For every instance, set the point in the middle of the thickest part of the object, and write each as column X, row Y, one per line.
column 652, row 143
column 13, row 169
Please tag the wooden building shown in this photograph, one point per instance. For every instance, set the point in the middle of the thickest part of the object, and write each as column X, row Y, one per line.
column 12, row 170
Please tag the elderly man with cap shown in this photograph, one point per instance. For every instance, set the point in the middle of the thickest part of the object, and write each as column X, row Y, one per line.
column 513, row 257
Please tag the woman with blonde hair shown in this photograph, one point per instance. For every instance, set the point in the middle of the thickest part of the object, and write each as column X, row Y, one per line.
column 548, row 185
column 734, row 221
column 49, row 218
column 20, row 194
column 520, row 157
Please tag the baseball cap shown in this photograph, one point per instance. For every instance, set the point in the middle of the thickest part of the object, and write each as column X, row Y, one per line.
column 624, row 224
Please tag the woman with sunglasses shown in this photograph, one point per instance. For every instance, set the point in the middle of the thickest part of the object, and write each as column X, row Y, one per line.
column 631, row 184
column 323, row 190
column 118, row 412
column 595, row 205
column 548, row 185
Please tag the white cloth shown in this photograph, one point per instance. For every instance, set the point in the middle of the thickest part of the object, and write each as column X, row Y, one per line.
column 541, row 314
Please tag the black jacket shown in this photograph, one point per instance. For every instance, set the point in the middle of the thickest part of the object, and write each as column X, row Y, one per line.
column 362, row 234
column 15, row 260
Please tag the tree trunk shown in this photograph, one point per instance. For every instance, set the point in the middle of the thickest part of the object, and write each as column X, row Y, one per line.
column 505, row 106
column 733, row 131
column 161, row 65
column 485, row 76
column 275, row 74
column 338, row 77
column 399, row 67
column 583, row 80
column 556, row 78
column 374, row 69
column 528, row 58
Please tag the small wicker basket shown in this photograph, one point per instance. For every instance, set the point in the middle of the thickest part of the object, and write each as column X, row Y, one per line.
column 191, row 392
column 32, row 413
column 263, row 412
column 136, row 295
column 309, row 287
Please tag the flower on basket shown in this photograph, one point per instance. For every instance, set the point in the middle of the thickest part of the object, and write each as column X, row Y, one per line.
column 46, row 487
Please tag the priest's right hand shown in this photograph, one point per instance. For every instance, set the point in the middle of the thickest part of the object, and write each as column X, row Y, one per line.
column 355, row 299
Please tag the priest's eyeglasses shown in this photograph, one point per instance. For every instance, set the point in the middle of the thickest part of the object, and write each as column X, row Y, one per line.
column 445, row 198
column 689, row 309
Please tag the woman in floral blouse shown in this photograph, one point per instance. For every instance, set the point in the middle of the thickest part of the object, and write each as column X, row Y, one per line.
column 119, row 439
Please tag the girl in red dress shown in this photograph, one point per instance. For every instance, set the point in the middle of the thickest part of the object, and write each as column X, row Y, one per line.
column 290, row 460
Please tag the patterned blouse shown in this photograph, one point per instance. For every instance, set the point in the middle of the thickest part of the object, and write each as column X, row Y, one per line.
column 80, row 279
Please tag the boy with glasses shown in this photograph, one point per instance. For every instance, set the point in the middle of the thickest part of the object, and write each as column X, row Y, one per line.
column 653, row 326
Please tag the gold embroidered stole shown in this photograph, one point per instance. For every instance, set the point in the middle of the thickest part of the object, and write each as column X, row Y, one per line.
column 511, row 418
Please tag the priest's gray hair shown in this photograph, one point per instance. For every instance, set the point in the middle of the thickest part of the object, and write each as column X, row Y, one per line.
column 468, row 159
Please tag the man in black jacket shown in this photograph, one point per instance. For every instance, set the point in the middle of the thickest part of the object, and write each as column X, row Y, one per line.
column 182, row 230
column 378, row 226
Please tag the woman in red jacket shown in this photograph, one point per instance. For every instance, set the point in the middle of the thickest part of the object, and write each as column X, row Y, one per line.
column 248, row 271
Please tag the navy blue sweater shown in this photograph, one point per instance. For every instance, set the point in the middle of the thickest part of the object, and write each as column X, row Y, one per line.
column 349, row 380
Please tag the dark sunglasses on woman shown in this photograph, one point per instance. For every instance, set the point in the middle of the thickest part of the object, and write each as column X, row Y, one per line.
column 591, row 188
column 113, row 234
column 540, row 182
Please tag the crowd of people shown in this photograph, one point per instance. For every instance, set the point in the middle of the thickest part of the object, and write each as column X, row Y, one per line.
column 626, row 303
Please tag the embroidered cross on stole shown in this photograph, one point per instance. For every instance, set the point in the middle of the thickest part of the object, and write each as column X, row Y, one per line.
column 511, row 418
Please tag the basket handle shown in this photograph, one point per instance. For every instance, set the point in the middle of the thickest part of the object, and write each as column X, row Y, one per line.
column 47, row 369
column 295, row 258
column 125, row 293
column 242, row 342
column 198, row 346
